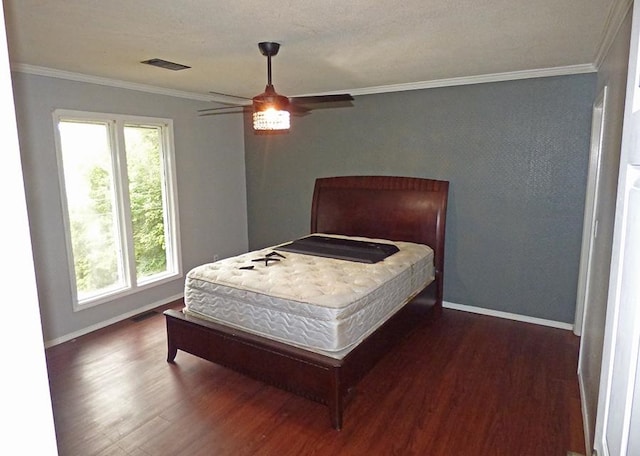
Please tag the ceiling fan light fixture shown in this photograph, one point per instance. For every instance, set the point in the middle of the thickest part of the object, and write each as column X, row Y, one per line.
column 270, row 111
column 271, row 119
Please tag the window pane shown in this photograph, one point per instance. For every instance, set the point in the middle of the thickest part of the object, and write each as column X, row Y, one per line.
column 88, row 178
column 145, row 168
column 117, row 176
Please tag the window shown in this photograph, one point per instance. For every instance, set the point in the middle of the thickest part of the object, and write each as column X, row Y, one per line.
column 118, row 192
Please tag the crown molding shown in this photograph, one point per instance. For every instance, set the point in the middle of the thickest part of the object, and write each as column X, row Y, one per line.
column 79, row 77
column 617, row 14
column 479, row 79
column 449, row 82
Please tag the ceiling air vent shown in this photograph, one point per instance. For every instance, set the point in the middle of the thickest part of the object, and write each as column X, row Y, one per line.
column 165, row 64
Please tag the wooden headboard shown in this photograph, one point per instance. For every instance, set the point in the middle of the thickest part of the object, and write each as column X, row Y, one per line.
column 394, row 208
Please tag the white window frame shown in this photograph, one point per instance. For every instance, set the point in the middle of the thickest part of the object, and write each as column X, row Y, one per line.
column 116, row 124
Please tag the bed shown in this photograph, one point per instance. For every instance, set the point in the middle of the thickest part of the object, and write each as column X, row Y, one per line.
column 397, row 209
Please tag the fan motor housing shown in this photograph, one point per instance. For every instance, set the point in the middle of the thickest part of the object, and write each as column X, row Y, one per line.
column 269, row 48
column 270, row 99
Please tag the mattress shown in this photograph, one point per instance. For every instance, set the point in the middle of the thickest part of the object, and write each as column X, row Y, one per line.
column 321, row 304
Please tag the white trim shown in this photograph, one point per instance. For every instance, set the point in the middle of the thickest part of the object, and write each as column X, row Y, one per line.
column 111, row 321
column 617, row 13
column 129, row 284
column 508, row 315
column 448, row 82
column 590, row 221
column 478, row 79
column 445, row 304
column 61, row 74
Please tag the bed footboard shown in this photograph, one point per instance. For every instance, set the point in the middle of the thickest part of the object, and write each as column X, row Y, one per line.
column 320, row 378
column 305, row 373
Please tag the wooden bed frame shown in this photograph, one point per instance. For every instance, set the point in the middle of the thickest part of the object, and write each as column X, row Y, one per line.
column 394, row 208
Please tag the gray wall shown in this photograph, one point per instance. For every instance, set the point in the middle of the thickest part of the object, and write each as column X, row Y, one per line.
column 515, row 152
column 612, row 74
column 210, row 181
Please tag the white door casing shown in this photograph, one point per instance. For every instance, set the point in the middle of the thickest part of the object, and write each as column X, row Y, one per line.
column 590, row 224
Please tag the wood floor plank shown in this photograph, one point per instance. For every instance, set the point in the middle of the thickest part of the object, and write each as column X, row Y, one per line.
column 465, row 384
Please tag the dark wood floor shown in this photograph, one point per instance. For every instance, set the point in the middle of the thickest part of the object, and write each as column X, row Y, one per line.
column 464, row 385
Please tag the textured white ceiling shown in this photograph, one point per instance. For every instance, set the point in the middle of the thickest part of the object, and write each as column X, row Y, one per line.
column 327, row 45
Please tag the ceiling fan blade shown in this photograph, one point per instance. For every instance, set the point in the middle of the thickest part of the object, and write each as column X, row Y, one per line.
column 298, row 110
column 229, row 95
column 224, row 110
column 297, row 106
column 221, row 108
column 321, row 99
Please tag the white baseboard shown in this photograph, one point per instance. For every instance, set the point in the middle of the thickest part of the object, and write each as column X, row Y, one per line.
column 104, row 324
column 508, row 315
column 445, row 304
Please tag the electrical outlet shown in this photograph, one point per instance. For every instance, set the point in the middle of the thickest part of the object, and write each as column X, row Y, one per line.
column 216, row 257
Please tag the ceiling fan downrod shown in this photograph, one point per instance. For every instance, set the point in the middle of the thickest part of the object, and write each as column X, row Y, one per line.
column 269, row 49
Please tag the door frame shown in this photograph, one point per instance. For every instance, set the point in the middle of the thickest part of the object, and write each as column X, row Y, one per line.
column 590, row 223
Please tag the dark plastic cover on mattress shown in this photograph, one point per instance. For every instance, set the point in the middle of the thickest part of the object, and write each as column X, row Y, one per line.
column 343, row 249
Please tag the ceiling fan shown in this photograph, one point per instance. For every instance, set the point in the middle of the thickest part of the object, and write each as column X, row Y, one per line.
column 271, row 111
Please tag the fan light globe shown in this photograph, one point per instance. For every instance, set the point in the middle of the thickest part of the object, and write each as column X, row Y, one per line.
column 271, row 119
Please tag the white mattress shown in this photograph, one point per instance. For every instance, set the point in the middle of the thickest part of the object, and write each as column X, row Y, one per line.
column 320, row 304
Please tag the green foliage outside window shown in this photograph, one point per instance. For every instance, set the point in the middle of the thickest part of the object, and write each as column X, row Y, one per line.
column 145, row 191
column 92, row 204
column 94, row 240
